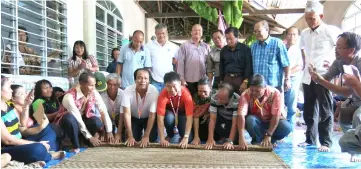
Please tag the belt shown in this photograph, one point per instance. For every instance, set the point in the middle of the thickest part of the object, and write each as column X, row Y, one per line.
column 235, row 74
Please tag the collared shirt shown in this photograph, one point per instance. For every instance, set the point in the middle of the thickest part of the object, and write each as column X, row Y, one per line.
column 226, row 111
column 185, row 104
column 132, row 61
column 213, row 60
column 201, row 106
column 337, row 69
column 112, row 67
column 162, row 58
column 69, row 105
column 269, row 59
column 271, row 104
column 192, row 61
column 237, row 61
column 295, row 58
column 319, row 47
column 91, row 61
column 114, row 107
column 140, row 108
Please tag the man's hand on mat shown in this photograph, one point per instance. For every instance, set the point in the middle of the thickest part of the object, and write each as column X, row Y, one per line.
column 243, row 144
column 228, row 146
column 46, row 144
column 102, row 136
column 117, row 138
column 196, row 141
column 110, row 138
column 164, row 142
column 266, row 142
column 144, row 142
column 130, row 142
column 94, row 141
column 210, row 144
column 184, row 142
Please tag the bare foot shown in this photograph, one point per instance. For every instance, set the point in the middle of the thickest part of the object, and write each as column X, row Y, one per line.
column 75, row 150
column 57, row 155
column 5, row 159
column 40, row 163
column 274, row 145
column 324, row 149
column 356, row 158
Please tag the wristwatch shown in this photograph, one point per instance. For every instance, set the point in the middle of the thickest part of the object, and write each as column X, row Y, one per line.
column 267, row 134
column 186, row 136
column 229, row 141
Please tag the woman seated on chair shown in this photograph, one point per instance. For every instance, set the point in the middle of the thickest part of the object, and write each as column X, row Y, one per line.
column 12, row 129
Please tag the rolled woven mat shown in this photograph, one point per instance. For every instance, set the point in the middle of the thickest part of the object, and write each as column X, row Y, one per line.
column 190, row 146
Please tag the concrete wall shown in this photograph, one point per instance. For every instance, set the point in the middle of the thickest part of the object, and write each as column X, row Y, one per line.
column 334, row 12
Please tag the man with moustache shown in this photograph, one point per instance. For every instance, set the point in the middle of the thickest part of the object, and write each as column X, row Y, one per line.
column 317, row 44
column 236, row 62
column 139, row 106
column 213, row 59
column 163, row 54
column 347, row 48
column 192, row 57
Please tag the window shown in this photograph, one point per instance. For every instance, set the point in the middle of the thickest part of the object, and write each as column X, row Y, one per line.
column 34, row 37
column 109, row 31
column 352, row 19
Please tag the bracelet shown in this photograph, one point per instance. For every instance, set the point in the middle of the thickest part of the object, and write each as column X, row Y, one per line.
column 186, row 136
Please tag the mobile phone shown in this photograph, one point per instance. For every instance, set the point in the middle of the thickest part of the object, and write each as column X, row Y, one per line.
column 347, row 69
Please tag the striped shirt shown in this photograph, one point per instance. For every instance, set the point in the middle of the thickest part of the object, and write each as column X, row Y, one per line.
column 11, row 121
column 226, row 111
column 269, row 59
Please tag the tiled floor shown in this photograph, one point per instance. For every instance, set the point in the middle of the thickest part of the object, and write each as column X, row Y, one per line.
column 297, row 157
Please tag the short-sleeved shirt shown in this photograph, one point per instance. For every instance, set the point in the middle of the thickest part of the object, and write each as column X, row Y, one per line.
column 295, row 58
column 91, row 61
column 271, row 104
column 226, row 111
column 319, row 47
column 114, row 106
column 269, row 59
column 337, row 69
column 237, row 61
column 11, row 121
column 132, row 61
column 162, row 58
column 145, row 106
column 191, row 61
column 213, row 60
column 49, row 106
column 185, row 103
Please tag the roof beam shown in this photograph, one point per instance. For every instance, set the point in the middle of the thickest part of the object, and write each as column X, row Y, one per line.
column 278, row 11
column 172, row 15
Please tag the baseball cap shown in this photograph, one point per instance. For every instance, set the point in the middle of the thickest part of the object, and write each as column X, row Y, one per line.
column 101, row 83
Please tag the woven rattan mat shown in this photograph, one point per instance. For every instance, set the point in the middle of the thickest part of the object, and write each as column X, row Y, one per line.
column 117, row 157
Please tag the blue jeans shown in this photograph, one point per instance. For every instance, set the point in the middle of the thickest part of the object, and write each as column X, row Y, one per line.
column 291, row 100
column 158, row 85
column 138, row 125
column 47, row 134
column 28, row 153
column 257, row 128
column 169, row 122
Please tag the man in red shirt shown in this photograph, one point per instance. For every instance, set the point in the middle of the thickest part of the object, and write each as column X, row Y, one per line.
column 263, row 106
column 174, row 110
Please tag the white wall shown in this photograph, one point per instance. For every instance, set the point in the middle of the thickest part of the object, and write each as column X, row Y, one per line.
column 75, row 23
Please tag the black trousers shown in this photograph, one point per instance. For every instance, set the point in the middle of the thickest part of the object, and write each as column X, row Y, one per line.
column 192, row 87
column 318, row 114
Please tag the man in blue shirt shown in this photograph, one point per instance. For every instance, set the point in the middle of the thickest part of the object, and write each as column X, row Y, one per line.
column 133, row 57
column 270, row 57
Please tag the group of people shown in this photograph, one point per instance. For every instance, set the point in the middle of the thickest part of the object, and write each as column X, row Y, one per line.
column 204, row 95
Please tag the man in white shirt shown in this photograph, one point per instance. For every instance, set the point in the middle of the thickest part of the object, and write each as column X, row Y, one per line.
column 163, row 54
column 139, row 106
column 78, row 114
column 296, row 65
column 112, row 98
column 317, row 44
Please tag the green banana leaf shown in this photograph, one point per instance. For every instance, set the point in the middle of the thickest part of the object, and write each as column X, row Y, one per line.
column 232, row 11
column 204, row 10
